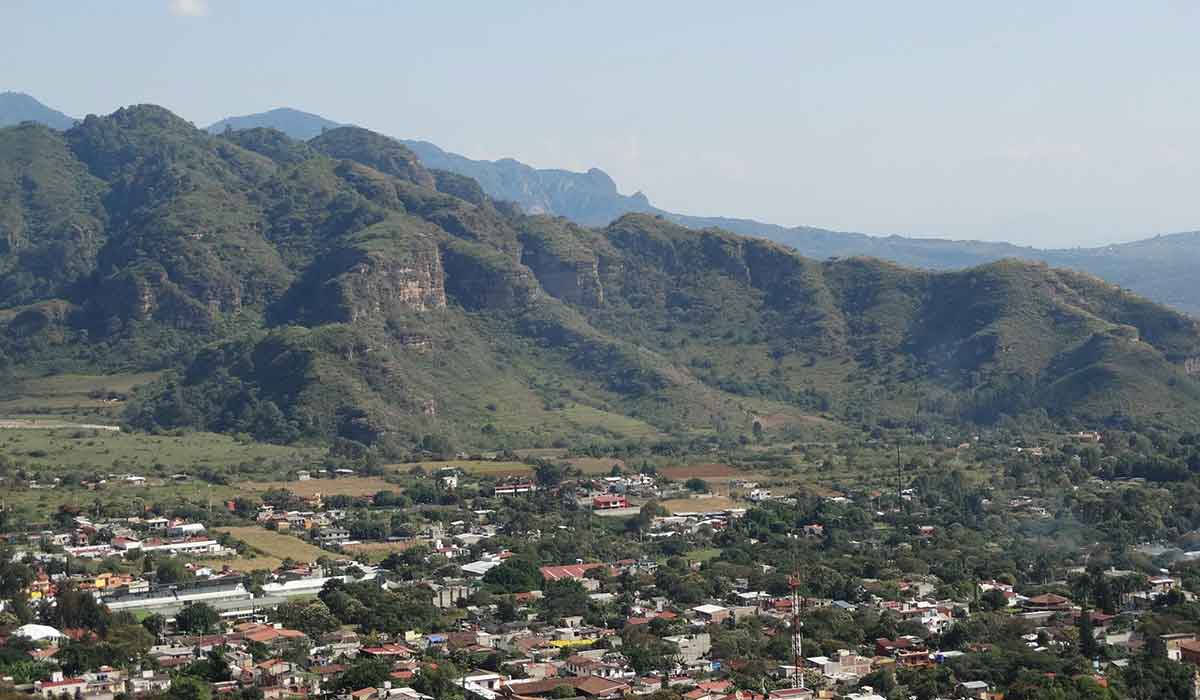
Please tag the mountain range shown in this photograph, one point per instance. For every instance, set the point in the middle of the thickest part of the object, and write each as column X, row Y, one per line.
column 1160, row 268
column 340, row 289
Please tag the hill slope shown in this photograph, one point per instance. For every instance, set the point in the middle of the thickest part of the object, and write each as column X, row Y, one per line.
column 339, row 288
column 17, row 107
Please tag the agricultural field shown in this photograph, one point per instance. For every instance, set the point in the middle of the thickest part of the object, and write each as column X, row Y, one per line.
column 344, row 486
column 700, row 504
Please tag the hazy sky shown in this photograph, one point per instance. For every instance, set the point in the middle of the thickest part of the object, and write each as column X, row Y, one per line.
column 1049, row 123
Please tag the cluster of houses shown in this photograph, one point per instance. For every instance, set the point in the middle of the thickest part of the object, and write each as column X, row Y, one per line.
column 98, row 539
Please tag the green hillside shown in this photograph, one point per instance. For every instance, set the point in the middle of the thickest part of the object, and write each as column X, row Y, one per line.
column 338, row 288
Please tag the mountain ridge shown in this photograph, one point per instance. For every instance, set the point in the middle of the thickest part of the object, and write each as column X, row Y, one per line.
column 340, row 290
column 592, row 199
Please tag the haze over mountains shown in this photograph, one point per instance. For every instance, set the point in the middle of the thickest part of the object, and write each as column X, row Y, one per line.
column 339, row 288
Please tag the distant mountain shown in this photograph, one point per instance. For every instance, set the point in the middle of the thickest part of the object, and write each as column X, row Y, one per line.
column 339, row 289
column 17, row 107
column 590, row 198
column 299, row 125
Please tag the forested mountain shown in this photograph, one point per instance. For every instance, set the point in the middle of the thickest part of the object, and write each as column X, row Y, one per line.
column 17, row 107
column 339, row 288
column 1159, row 268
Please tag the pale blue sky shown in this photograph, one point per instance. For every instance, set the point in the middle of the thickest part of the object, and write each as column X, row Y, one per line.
column 1049, row 123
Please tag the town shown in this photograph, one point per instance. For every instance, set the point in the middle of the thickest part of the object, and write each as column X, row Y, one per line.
column 561, row 582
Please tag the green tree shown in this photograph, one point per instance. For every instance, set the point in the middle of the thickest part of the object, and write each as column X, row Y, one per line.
column 129, row 642
column 184, row 687
column 313, row 619
column 212, row 668
column 198, row 618
column 563, row 598
column 548, row 474
column 365, row 673
column 171, row 571
column 514, row 575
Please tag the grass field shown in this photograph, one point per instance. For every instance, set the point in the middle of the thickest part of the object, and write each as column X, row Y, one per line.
column 586, row 417
column 37, row 505
column 519, row 409
column 276, row 545
column 695, row 505
column 70, row 396
column 346, row 486
column 104, row 450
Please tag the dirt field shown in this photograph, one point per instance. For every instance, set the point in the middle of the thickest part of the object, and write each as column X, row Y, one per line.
column 378, row 551
column 699, row 505
column 349, row 486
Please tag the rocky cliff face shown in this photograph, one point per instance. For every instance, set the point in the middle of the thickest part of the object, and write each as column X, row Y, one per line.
column 479, row 279
column 378, row 284
column 573, row 281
